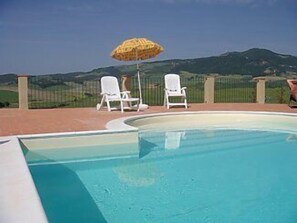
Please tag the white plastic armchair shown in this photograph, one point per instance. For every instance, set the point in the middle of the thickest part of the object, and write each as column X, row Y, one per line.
column 173, row 89
column 110, row 92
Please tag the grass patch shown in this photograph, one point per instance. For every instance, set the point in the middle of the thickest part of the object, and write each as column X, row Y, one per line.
column 9, row 98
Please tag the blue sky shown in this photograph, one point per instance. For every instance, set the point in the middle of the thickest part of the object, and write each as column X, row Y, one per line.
column 58, row 36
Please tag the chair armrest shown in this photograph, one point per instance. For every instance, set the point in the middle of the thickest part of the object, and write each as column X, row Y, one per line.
column 183, row 90
column 125, row 92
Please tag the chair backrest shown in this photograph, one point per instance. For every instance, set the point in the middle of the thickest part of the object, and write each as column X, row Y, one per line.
column 110, row 86
column 172, row 82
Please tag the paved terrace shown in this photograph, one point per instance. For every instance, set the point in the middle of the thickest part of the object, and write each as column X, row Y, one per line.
column 19, row 122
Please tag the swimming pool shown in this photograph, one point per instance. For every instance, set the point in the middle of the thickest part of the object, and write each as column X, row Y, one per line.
column 211, row 170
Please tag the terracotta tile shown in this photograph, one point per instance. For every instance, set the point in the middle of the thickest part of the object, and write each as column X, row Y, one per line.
column 15, row 121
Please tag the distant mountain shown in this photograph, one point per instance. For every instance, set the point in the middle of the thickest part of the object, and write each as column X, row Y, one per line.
column 8, row 79
column 253, row 62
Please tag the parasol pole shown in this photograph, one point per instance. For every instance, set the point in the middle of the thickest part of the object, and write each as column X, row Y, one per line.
column 138, row 77
column 139, row 85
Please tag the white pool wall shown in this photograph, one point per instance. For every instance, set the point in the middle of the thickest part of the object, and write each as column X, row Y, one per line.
column 50, row 141
column 80, row 147
column 19, row 200
column 269, row 121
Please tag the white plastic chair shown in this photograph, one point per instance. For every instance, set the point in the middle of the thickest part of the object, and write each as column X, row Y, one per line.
column 110, row 92
column 173, row 89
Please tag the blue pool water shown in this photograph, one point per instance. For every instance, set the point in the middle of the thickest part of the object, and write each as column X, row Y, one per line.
column 179, row 176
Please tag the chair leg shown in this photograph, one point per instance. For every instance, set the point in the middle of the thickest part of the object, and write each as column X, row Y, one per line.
column 108, row 105
column 138, row 109
column 167, row 102
column 186, row 104
column 122, row 106
column 129, row 104
column 99, row 106
column 164, row 103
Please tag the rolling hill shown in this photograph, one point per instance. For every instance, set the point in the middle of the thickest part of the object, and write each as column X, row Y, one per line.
column 253, row 62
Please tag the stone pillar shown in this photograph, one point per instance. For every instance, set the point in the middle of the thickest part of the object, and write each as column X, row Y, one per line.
column 23, row 91
column 209, row 89
column 126, row 83
column 260, row 98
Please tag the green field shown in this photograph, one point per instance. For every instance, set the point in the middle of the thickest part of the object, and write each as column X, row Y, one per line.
column 9, row 96
column 235, row 90
column 87, row 94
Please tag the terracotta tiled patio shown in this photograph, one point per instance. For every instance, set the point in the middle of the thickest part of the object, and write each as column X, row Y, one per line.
column 19, row 122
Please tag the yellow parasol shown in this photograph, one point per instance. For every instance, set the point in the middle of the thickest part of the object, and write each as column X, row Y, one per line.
column 134, row 50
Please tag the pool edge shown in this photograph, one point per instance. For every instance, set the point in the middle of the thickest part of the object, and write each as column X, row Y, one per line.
column 124, row 123
column 19, row 197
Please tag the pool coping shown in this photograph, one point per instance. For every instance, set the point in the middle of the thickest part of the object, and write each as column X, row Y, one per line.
column 20, row 201
column 121, row 124
column 28, row 207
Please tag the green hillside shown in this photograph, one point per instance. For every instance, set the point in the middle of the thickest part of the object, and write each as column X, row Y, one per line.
column 253, row 62
column 8, row 79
